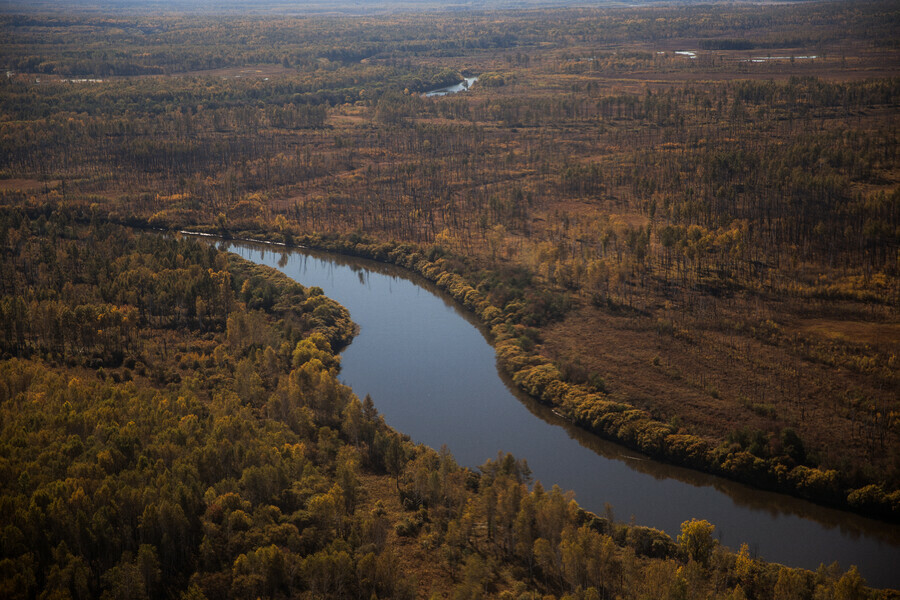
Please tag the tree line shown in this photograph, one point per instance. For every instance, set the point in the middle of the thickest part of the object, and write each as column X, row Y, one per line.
column 251, row 471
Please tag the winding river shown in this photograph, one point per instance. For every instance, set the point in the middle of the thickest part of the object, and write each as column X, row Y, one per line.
column 433, row 376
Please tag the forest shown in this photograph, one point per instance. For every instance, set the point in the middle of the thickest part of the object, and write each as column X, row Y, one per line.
column 680, row 224
column 172, row 427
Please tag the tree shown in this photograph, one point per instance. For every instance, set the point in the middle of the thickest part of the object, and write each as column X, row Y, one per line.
column 791, row 584
column 851, row 586
column 124, row 581
column 696, row 541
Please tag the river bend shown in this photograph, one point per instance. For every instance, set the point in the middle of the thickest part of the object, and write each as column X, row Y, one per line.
column 433, row 375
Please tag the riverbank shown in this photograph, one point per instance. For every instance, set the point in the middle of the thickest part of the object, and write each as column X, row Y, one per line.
column 452, row 283
column 427, row 364
column 512, row 331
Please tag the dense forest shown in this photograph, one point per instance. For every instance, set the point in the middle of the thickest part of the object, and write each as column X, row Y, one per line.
column 681, row 225
column 172, row 426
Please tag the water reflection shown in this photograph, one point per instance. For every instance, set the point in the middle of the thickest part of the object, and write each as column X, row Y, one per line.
column 462, row 86
column 770, row 502
column 434, row 378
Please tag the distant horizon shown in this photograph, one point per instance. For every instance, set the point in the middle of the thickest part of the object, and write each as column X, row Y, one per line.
column 324, row 7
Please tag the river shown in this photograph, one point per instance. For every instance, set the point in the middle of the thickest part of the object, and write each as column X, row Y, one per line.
column 462, row 86
column 433, row 375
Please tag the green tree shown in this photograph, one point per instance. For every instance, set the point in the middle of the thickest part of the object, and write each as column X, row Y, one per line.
column 696, row 541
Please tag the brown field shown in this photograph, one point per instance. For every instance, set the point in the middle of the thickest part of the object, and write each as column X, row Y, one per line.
column 885, row 336
column 708, row 381
column 26, row 185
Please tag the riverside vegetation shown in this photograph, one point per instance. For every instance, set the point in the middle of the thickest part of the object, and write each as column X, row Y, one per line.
column 654, row 176
column 172, row 426
column 731, row 224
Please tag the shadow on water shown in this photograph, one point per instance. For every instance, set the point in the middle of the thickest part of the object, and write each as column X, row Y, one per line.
column 742, row 495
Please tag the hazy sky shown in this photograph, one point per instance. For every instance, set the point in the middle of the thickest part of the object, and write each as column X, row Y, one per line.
column 294, row 6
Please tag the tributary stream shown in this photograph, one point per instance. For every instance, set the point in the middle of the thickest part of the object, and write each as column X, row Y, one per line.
column 433, row 376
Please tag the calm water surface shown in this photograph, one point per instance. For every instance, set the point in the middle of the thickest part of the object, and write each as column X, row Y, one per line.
column 433, row 376
column 462, row 86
